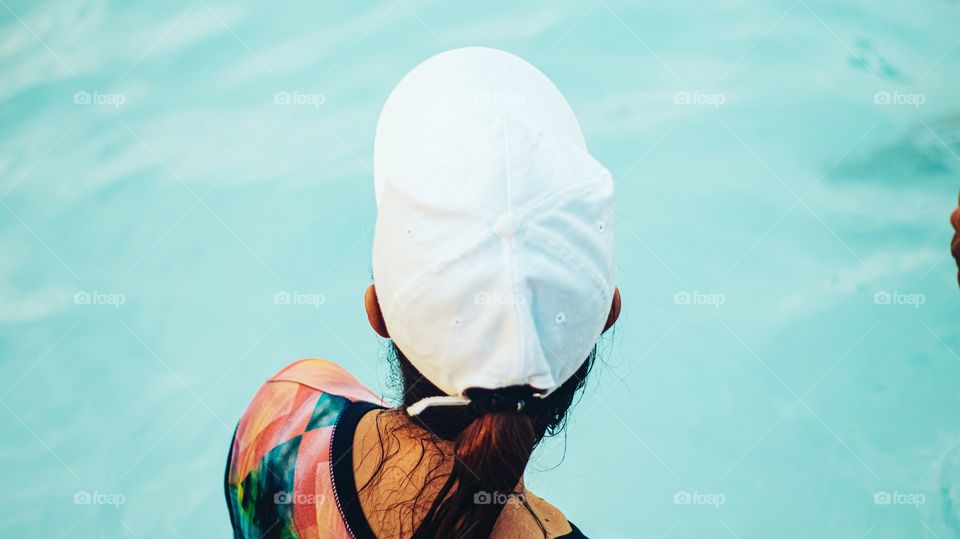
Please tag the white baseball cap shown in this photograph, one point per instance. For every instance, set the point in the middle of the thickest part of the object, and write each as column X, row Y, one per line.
column 493, row 254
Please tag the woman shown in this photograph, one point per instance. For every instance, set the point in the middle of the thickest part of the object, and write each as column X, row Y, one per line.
column 493, row 267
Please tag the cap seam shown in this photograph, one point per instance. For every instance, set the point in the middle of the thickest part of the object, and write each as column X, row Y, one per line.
column 511, row 259
column 570, row 258
column 575, row 188
column 412, row 185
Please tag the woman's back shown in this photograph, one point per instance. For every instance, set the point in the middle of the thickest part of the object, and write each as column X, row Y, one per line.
column 407, row 474
column 317, row 455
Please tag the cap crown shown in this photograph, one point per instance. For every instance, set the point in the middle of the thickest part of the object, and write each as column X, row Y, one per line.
column 494, row 246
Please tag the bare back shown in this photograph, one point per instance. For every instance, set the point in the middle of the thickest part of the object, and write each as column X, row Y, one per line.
column 389, row 499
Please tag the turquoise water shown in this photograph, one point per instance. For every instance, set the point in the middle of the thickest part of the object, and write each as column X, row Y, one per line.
column 787, row 360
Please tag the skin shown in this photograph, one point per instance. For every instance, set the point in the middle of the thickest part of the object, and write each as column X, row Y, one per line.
column 406, row 475
column 955, row 243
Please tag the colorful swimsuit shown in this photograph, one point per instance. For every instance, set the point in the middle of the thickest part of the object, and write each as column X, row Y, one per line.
column 280, row 478
column 290, row 467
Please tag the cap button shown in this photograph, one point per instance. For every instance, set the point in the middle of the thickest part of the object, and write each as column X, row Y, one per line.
column 506, row 225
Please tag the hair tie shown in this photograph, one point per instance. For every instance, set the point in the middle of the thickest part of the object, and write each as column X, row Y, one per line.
column 485, row 401
column 479, row 401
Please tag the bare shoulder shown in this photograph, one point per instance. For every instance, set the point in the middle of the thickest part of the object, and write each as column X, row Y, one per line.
column 516, row 520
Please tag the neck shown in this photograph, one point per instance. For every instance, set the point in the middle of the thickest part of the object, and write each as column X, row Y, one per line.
column 400, row 468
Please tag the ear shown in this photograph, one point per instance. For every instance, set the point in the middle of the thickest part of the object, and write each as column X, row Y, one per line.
column 614, row 310
column 955, row 242
column 374, row 315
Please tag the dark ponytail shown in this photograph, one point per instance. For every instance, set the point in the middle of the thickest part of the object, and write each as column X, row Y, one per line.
column 493, row 439
column 490, row 455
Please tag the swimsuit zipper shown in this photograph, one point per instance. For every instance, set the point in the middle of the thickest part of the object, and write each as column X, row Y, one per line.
column 336, row 497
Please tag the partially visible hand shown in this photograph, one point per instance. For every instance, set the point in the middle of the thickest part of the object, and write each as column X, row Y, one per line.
column 955, row 244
